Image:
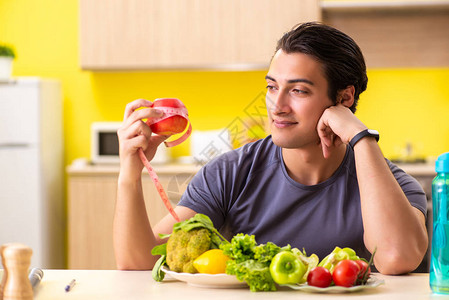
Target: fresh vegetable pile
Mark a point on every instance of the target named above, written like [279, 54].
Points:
[341, 267]
[196, 246]
[264, 265]
[187, 242]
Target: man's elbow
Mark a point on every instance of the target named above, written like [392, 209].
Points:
[130, 265]
[396, 262]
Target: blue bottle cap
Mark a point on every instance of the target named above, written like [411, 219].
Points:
[442, 163]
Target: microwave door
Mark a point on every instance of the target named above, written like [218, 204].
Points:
[105, 147]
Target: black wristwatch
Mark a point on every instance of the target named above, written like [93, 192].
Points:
[362, 134]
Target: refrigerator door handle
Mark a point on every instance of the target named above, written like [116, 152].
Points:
[14, 145]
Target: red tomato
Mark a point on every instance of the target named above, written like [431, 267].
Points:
[363, 267]
[346, 273]
[320, 277]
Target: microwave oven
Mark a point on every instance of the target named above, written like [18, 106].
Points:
[105, 146]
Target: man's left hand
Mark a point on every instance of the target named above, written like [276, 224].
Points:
[337, 125]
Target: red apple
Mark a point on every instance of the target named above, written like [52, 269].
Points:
[173, 124]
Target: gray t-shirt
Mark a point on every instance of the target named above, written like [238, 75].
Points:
[248, 190]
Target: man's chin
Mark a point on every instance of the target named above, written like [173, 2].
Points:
[294, 143]
[286, 143]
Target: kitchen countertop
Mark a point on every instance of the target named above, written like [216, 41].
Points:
[111, 284]
[80, 167]
[418, 169]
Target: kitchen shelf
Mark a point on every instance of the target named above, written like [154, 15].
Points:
[382, 5]
[394, 34]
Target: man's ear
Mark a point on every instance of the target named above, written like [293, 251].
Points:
[346, 96]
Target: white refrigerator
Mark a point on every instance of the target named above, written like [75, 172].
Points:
[32, 205]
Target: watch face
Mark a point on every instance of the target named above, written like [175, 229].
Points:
[373, 132]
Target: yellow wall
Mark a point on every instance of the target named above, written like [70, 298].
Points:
[406, 106]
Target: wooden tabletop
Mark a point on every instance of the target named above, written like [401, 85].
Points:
[111, 284]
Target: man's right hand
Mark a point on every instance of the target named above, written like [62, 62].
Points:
[134, 134]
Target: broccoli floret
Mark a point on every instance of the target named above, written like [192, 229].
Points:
[189, 239]
[183, 247]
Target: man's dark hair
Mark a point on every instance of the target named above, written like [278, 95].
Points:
[340, 56]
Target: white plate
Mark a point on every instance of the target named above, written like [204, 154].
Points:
[373, 282]
[215, 281]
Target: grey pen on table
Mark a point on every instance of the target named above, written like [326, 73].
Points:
[35, 276]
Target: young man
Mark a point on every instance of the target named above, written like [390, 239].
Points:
[319, 181]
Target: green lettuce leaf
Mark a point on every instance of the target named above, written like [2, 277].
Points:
[255, 274]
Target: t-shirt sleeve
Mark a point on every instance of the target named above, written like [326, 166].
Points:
[411, 187]
[204, 194]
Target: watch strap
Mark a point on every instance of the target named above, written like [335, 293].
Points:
[362, 134]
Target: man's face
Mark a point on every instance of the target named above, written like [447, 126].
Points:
[296, 98]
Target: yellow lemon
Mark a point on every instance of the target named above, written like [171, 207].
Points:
[211, 262]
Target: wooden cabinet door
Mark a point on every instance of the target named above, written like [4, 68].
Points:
[91, 212]
[91, 202]
[146, 34]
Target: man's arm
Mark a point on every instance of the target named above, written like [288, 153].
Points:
[390, 222]
[132, 234]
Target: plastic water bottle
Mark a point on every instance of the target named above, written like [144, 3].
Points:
[439, 262]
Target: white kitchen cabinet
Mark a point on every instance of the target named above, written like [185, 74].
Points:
[153, 34]
[31, 169]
